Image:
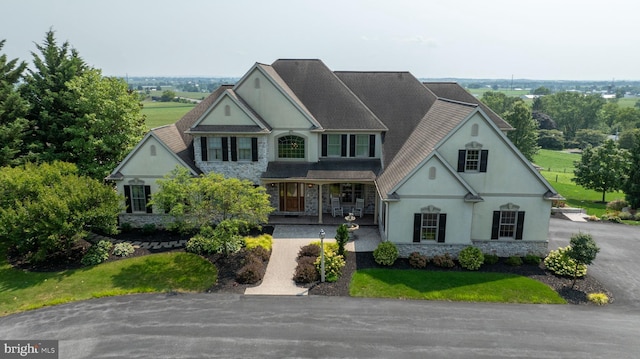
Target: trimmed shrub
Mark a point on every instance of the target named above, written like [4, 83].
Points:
[417, 260]
[513, 261]
[265, 241]
[561, 264]
[386, 253]
[491, 258]
[598, 298]
[333, 264]
[260, 253]
[149, 228]
[310, 250]
[306, 271]
[532, 259]
[123, 249]
[126, 227]
[97, 253]
[625, 216]
[471, 258]
[617, 205]
[251, 272]
[202, 243]
[443, 261]
[611, 218]
[342, 237]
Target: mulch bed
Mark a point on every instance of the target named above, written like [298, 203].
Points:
[362, 260]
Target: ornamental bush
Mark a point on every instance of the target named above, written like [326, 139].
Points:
[333, 264]
[417, 260]
[123, 249]
[491, 258]
[471, 258]
[97, 253]
[559, 263]
[617, 205]
[598, 298]
[259, 252]
[306, 271]
[386, 253]
[310, 250]
[513, 261]
[443, 261]
[532, 259]
[252, 271]
[202, 243]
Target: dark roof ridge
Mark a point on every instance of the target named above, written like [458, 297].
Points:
[375, 72]
[458, 102]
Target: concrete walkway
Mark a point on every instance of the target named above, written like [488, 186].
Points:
[287, 240]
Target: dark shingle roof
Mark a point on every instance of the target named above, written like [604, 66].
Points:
[363, 170]
[453, 91]
[397, 98]
[441, 119]
[330, 102]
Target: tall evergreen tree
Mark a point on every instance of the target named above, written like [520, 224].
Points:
[13, 108]
[77, 115]
[631, 186]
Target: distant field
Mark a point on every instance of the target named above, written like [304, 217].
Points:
[164, 113]
[558, 170]
[515, 93]
[628, 102]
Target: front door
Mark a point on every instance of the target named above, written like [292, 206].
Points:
[292, 197]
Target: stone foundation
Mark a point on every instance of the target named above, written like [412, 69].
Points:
[499, 248]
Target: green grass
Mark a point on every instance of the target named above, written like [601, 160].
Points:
[182, 272]
[558, 170]
[164, 113]
[451, 286]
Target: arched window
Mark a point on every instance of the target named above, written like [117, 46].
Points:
[227, 110]
[291, 147]
[256, 83]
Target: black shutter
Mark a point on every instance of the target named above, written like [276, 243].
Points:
[203, 148]
[483, 160]
[225, 148]
[324, 145]
[254, 149]
[127, 199]
[234, 149]
[372, 145]
[442, 227]
[343, 144]
[352, 145]
[495, 227]
[147, 198]
[520, 225]
[461, 157]
[417, 224]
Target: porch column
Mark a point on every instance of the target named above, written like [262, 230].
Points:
[320, 203]
[375, 211]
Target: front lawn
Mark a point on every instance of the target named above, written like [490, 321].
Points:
[164, 272]
[451, 286]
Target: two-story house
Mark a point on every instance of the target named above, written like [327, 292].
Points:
[429, 161]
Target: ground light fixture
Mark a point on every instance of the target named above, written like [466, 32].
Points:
[322, 234]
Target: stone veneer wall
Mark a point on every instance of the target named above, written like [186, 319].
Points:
[249, 170]
[499, 248]
[139, 220]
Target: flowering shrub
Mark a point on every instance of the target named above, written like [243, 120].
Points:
[97, 253]
[617, 205]
[385, 254]
[471, 258]
[123, 249]
[559, 263]
[333, 264]
[417, 260]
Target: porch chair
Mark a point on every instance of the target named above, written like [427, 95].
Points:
[359, 208]
[336, 209]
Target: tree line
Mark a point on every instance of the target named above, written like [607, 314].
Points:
[574, 120]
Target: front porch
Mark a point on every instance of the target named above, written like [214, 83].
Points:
[366, 220]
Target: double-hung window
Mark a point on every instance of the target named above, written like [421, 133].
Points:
[334, 145]
[429, 226]
[362, 145]
[473, 159]
[508, 223]
[215, 148]
[244, 148]
[137, 197]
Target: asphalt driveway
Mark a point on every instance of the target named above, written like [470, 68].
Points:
[617, 266]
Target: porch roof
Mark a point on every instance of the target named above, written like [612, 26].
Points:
[325, 170]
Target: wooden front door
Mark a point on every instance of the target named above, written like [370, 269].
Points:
[292, 197]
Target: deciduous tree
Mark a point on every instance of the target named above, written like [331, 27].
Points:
[602, 168]
[525, 135]
[195, 202]
[583, 251]
[631, 186]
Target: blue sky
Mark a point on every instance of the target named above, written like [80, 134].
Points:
[544, 39]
